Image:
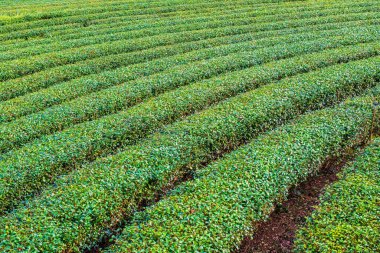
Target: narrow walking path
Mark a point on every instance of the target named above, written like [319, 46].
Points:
[278, 232]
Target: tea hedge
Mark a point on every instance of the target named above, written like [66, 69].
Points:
[25, 129]
[36, 14]
[214, 212]
[137, 29]
[34, 82]
[78, 21]
[81, 207]
[59, 93]
[51, 154]
[104, 17]
[19, 67]
[347, 219]
[97, 25]
[54, 19]
[94, 11]
[107, 105]
[125, 31]
[112, 25]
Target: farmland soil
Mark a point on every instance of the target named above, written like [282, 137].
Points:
[277, 234]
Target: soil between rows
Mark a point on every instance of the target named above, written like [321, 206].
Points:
[277, 234]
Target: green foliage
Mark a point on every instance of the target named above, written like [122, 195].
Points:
[34, 165]
[111, 100]
[124, 23]
[347, 218]
[53, 21]
[84, 204]
[216, 210]
[122, 28]
[19, 67]
[104, 105]
[201, 38]
[191, 52]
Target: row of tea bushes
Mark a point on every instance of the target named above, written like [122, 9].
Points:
[162, 58]
[19, 67]
[347, 220]
[30, 83]
[20, 131]
[120, 24]
[214, 212]
[82, 207]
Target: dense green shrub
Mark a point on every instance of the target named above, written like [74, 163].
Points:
[193, 51]
[52, 24]
[127, 31]
[51, 76]
[34, 165]
[134, 29]
[53, 15]
[81, 206]
[116, 98]
[106, 105]
[214, 212]
[119, 24]
[19, 67]
[347, 220]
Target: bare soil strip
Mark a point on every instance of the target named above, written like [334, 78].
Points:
[277, 234]
[109, 237]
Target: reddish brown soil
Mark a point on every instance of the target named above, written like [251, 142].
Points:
[277, 234]
[115, 231]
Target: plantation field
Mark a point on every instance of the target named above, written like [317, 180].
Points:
[180, 126]
[348, 217]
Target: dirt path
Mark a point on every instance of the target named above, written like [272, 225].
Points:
[277, 234]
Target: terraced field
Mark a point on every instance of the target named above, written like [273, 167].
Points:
[179, 126]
